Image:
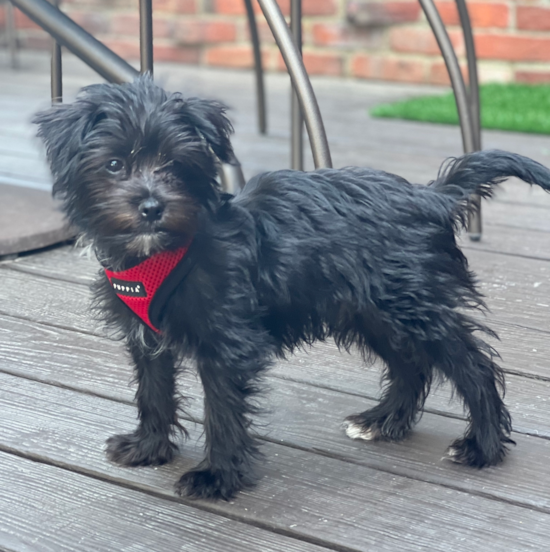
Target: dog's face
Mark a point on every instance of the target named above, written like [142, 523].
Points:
[134, 166]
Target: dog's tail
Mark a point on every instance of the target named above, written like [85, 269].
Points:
[480, 172]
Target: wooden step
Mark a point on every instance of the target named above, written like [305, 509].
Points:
[29, 220]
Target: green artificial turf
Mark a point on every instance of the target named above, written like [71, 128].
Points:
[517, 107]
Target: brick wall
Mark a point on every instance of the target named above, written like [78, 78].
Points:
[388, 40]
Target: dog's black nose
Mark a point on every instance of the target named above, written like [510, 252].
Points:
[151, 209]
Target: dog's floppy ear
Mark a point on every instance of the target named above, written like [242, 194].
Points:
[211, 123]
[62, 128]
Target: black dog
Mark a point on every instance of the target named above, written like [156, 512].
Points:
[355, 254]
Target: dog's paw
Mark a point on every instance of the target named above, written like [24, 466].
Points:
[355, 430]
[369, 426]
[468, 452]
[210, 483]
[135, 450]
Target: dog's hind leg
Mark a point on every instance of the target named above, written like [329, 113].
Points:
[408, 384]
[468, 362]
[150, 443]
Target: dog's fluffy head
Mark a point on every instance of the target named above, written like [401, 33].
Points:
[133, 165]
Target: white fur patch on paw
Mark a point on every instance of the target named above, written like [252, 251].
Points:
[452, 454]
[355, 431]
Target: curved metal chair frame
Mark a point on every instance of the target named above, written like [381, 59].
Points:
[258, 67]
[67, 33]
[300, 81]
[467, 98]
[297, 155]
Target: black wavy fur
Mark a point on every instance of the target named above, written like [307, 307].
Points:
[355, 254]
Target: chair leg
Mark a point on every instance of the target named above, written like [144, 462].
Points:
[296, 117]
[467, 101]
[232, 177]
[301, 82]
[258, 67]
[475, 227]
[11, 36]
[453, 68]
[146, 36]
[56, 82]
[473, 81]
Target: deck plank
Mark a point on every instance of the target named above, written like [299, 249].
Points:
[295, 408]
[64, 387]
[72, 512]
[531, 414]
[69, 264]
[518, 216]
[46, 300]
[311, 496]
[40, 351]
[505, 280]
[510, 241]
[28, 220]
[517, 290]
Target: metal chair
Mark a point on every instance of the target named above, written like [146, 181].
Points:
[114, 69]
[304, 101]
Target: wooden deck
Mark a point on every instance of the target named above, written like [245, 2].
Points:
[64, 386]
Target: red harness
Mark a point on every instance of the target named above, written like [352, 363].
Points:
[146, 287]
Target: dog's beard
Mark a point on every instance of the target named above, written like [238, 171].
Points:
[145, 245]
[121, 251]
[126, 245]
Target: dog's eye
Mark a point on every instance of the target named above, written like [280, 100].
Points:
[114, 165]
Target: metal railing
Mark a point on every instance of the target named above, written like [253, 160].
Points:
[78, 41]
[101, 59]
[114, 69]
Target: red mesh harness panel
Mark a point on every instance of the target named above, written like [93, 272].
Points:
[138, 287]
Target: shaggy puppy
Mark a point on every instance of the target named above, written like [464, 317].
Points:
[355, 254]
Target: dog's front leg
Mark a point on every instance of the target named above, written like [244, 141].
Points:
[150, 443]
[229, 378]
